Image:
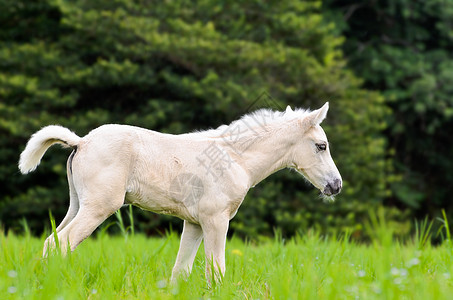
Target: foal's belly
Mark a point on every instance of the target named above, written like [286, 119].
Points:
[162, 205]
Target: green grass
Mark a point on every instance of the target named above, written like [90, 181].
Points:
[306, 267]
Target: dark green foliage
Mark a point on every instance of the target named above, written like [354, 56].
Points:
[178, 66]
[404, 49]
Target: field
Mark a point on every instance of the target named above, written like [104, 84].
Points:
[308, 266]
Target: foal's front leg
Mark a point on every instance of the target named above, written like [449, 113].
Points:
[214, 235]
[190, 241]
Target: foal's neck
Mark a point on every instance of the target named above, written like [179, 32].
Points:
[269, 153]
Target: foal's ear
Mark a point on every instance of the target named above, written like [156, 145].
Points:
[316, 117]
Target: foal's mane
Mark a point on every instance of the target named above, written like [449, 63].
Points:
[257, 121]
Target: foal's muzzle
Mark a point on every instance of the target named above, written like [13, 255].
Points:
[332, 188]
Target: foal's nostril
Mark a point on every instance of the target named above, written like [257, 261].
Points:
[333, 188]
[337, 186]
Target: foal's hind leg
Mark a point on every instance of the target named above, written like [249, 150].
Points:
[70, 215]
[90, 215]
[100, 195]
[87, 220]
[73, 204]
[72, 210]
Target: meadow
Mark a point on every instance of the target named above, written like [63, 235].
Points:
[308, 266]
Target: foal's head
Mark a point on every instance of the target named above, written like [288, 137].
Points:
[311, 155]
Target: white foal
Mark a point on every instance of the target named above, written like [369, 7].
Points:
[200, 177]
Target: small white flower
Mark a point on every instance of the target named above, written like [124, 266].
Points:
[12, 289]
[447, 275]
[361, 273]
[376, 288]
[395, 271]
[161, 284]
[12, 273]
[413, 262]
[352, 289]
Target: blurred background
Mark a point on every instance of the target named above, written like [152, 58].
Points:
[174, 66]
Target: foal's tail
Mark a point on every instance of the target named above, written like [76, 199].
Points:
[41, 141]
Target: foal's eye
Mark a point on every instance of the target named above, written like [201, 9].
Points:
[321, 147]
